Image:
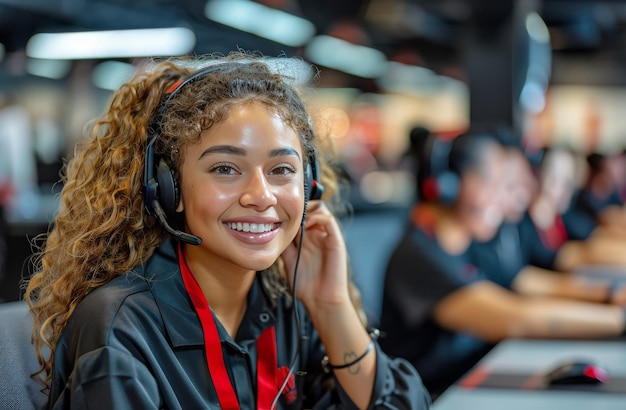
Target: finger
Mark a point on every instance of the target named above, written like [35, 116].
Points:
[325, 223]
[315, 205]
[319, 216]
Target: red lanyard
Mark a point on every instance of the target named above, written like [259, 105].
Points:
[267, 365]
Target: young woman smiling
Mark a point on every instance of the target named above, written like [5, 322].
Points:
[189, 221]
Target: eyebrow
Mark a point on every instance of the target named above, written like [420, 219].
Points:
[284, 152]
[223, 149]
[232, 150]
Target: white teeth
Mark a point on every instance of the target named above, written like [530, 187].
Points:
[247, 227]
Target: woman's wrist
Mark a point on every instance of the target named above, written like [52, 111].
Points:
[341, 330]
[328, 367]
[328, 307]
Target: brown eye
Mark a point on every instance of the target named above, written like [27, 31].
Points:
[223, 169]
[282, 170]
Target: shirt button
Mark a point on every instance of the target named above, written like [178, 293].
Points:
[264, 317]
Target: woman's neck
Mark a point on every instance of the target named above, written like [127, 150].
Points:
[224, 287]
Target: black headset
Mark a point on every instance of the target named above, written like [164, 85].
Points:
[438, 183]
[162, 193]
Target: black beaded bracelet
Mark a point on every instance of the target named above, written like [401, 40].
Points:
[326, 361]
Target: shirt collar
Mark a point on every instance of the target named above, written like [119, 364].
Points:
[179, 316]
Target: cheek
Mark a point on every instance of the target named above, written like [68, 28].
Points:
[221, 194]
[292, 198]
[206, 197]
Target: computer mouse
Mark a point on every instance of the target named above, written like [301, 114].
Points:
[576, 372]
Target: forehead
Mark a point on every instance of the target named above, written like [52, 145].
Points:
[252, 125]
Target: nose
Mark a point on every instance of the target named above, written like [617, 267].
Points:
[257, 192]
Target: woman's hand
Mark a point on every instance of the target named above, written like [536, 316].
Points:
[322, 285]
[322, 280]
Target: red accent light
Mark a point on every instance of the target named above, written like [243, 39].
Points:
[174, 86]
[430, 189]
[596, 373]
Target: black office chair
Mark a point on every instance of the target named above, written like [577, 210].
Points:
[370, 239]
[18, 391]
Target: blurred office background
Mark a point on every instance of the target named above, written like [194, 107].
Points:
[547, 71]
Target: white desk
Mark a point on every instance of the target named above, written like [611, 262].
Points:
[529, 360]
[457, 398]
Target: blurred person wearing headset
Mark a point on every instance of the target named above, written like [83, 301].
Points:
[543, 226]
[597, 207]
[194, 262]
[441, 310]
[517, 251]
[505, 254]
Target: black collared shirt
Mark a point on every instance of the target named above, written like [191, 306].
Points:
[419, 275]
[137, 343]
[582, 216]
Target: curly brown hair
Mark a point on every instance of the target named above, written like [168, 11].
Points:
[102, 229]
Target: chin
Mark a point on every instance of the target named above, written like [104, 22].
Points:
[254, 266]
[257, 264]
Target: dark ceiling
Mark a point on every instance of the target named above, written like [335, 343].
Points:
[588, 37]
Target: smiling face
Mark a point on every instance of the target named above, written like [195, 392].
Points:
[242, 188]
[558, 180]
[519, 187]
[479, 205]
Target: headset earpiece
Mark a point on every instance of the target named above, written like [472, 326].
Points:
[313, 188]
[440, 183]
[150, 183]
[160, 184]
[168, 193]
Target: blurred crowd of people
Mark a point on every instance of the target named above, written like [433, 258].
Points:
[500, 244]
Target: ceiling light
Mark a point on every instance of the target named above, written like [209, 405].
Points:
[344, 56]
[53, 69]
[112, 44]
[110, 75]
[536, 28]
[407, 77]
[533, 97]
[266, 22]
[294, 70]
